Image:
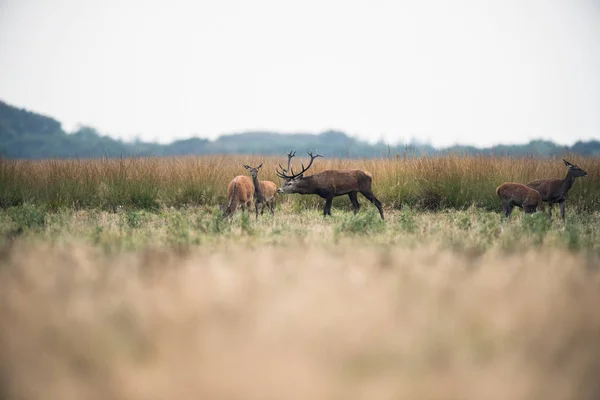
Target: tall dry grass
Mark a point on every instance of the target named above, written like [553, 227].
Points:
[149, 183]
[286, 323]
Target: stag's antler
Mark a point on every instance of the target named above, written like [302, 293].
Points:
[290, 155]
[292, 176]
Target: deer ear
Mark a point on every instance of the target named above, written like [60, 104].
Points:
[259, 166]
[245, 166]
[568, 164]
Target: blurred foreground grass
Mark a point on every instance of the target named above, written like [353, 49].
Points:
[177, 303]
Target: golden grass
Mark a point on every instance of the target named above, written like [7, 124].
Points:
[431, 183]
[282, 322]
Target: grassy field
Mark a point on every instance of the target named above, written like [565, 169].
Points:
[105, 295]
[151, 183]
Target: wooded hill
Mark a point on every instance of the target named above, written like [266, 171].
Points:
[28, 135]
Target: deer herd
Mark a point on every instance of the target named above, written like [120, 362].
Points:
[533, 195]
[244, 191]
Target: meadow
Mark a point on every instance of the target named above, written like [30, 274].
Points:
[119, 279]
[435, 183]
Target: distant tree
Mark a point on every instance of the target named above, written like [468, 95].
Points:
[24, 134]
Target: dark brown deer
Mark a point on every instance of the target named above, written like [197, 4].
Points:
[264, 191]
[329, 184]
[516, 194]
[556, 190]
[239, 191]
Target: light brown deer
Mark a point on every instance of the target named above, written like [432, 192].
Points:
[329, 184]
[239, 191]
[264, 191]
[516, 194]
[556, 190]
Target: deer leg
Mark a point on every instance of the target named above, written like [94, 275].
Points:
[562, 209]
[272, 207]
[262, 208]
[354, 201]
[256, 208]
[327, 209]
[371, 197]
[550, 209]
[507, 207]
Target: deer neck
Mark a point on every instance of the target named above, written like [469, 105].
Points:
[568, 182]
[257, 190]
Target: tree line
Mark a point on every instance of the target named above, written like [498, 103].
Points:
[28, 135]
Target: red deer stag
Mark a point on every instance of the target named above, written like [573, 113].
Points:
[329, 184]
[240, 191]
[264, 191]
[516, 194]
[556, 190]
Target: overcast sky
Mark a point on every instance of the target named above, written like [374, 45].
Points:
[472, 72]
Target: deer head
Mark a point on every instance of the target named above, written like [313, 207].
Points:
[291, 179]
[574, 170]
[253, 171]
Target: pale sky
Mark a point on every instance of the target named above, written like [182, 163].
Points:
[470, 72]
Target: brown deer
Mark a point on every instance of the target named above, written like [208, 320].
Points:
[329, 184]
[556, 190]
[264, 191]
[239, 191]
[516, 194]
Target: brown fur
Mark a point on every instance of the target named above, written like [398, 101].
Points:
[269, 190]
[556, 190]
[516, 194]
[264, 191]
[331, 183]
[240, 191]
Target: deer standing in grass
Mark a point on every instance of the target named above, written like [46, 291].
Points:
[556, 190]
[264, 191]
[239, 191]
[519, 195]
[329, 184]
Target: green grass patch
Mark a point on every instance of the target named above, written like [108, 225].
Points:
[28, 216]
[365, 222]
